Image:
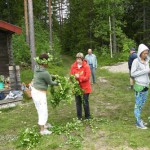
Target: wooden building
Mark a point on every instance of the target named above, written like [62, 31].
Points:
[7, 66]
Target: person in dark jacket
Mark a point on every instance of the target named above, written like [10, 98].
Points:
[132, 56]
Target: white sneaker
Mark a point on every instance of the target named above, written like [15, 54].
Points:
[140, 125]
[48, 125]
[145, 123]
[45, 132]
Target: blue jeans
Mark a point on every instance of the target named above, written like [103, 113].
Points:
[140, 99]
[93, 73]
[85, 102]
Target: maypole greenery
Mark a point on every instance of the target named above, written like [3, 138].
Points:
[67, 87]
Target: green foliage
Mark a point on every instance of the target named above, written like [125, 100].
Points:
[29, 138]
[127, 44]
[62, 92]
[9, 11]
[20, 48]
[102, 28]
[75, 86]
[2, 79]
[138, 20]
[41, 37]
[77, 34]
[65, 90]
[73, 131]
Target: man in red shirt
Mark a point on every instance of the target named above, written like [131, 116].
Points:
[81, 70]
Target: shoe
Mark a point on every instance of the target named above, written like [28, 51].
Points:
[144, 123]
[48, 125]
[141, 125]
[87, 118]
[45, 132]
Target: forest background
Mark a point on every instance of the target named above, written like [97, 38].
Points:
[81, 24]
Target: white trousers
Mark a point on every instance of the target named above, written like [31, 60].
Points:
[40, 101]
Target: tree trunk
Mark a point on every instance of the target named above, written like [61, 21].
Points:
[50, 23]
[114, 34]
[110, 37]
[32, 39]
[144, 21]
[26, 20]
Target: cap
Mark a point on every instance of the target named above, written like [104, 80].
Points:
[132, 49]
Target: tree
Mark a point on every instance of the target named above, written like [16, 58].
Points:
[26, 20]
[106, 13]
[32, 38]
[77, 31]
[138, 20]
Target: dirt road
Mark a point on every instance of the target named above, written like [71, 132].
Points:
[119, 67]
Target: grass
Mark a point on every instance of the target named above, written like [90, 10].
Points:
[113, 126]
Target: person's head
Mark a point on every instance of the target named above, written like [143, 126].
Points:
[89, 51]
[144, 54]
[132, 50]
[143, 51]
[44, 57]
[79, 58]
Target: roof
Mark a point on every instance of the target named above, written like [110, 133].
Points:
[10, 27]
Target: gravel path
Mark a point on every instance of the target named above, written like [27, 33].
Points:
[119, 67]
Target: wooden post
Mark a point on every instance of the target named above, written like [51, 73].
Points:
[26, 20]
[14, 74]
[10, 51]
[50, 23]
[32, 39]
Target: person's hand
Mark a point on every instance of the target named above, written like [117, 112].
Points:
[77, 75]
[54, 77]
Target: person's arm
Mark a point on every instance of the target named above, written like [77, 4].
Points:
[48, 79]
[129, 63]
[135, 72]
[71, 71]
[87, 75]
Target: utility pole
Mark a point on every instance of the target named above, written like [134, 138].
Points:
[32, 39]
[26, 20]
[50, 22]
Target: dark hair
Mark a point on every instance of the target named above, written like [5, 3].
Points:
[44, 56]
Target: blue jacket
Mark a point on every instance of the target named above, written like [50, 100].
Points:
[94, 60]
[130, 60]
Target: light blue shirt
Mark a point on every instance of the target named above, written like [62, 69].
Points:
[91, 59]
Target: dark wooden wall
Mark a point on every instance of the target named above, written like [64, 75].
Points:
[4, 55]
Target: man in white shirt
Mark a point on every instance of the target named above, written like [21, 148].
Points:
[92, 61]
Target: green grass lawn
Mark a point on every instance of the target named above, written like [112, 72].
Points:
[112, 126]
